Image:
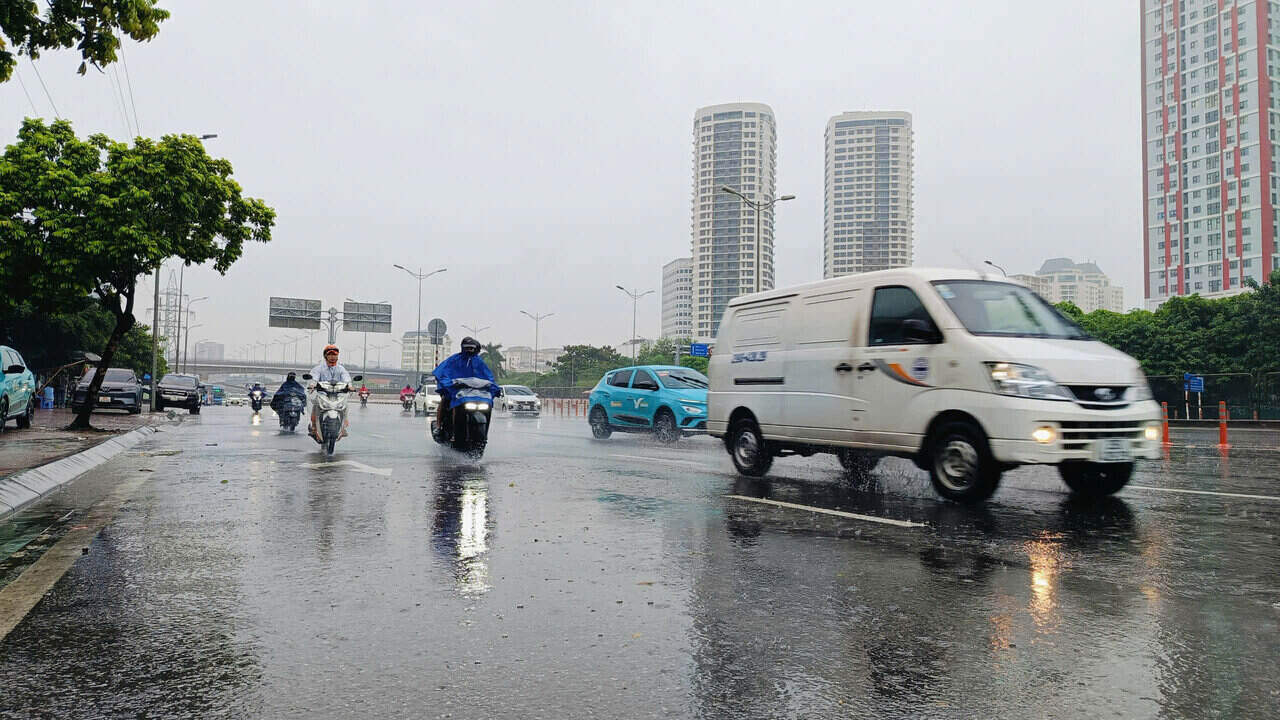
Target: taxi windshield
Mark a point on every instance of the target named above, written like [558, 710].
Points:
[683, 379]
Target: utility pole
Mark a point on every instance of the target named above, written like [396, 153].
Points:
[537, 328]
[758, 206]
[417, 340]
[635, 296]
[155, 337]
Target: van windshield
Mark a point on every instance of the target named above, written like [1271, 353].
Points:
[1005, 309]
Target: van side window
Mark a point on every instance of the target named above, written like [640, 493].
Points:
[622, 378]
[890, 307]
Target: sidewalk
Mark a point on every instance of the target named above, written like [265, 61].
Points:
[46, 441]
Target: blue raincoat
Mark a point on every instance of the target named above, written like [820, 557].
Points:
[462, 367]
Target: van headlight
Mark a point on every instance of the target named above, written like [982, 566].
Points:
[1025, 381]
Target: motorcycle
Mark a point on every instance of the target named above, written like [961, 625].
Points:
[255, 400]
[468, 430]
[364, 398]
[330, 401]
[406, 402]
[289, 407]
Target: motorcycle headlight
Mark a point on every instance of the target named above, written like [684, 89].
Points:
[692, 409]
[1025, 381]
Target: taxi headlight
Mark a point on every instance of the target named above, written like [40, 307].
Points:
[692, 409]
[1025, 381]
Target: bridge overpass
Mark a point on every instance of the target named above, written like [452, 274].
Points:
[276, 372]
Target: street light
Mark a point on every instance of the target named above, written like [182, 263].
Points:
[187, 342]
[196, 361]
[380, 348]
[417, 340]
[635, 296]
[996, 267]
[475, 332]
[758, 206]
[364, 355]
[537, 329]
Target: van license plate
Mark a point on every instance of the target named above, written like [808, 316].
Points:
[1115, 450]
[104, 398]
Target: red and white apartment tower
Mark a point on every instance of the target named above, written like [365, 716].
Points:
[1209, 123]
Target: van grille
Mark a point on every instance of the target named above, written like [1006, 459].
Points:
[1101, 397]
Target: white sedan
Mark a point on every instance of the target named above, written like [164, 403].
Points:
[519, 400]
[426, 402]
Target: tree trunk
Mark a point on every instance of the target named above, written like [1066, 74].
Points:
[124, 321]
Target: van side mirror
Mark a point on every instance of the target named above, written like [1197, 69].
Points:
[357, 378]
[915, 330]
[14, 369]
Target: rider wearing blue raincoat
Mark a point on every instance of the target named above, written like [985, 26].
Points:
[465, 365]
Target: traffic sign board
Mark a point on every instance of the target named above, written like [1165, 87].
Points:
[436, 330]
[366, 317]
[1193, 383]
[295, 313]
[698, 350]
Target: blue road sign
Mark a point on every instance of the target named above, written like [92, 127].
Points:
[698, 350]
[1193, 383]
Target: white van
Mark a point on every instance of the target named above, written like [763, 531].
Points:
[966, 374]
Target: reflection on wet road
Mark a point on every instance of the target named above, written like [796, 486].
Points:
[566, 577]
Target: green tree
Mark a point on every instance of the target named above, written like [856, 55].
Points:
[93, 27]
[48, 341]
[492, 356]
[90, 216]
[582, 366]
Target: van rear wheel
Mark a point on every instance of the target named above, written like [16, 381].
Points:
[747, 448]
[960, 464]
[1095, 480]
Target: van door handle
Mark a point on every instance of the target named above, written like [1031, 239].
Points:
[844, 367]
[866, 367]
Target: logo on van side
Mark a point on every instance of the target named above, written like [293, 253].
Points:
[920, 369]
[757, 356]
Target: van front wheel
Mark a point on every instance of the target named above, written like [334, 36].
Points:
[747, 448]
[960, 464]
[1095, 479]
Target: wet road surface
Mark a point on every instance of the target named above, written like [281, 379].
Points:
[565, 577]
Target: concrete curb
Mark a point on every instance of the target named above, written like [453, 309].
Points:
[23, 487]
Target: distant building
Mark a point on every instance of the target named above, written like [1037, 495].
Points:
[868, 221]
[519, 358]
[734, 145]
[1062, 280]
[210, 352]
[1209, 87]
[677, 298]
[429, 356]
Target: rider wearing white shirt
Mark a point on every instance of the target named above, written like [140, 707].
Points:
[328, 371]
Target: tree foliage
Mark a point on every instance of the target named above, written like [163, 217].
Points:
[492, 356]
[663, 351]
[48, 341]
[1237, 334]
[93, 27]
[82, 217]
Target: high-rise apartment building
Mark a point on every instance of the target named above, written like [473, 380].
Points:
[428, 355]
[1208, 130]
[734, 146]
[677, 298]
[1063, 280]
[869, 221]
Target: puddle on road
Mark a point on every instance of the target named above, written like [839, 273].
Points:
[26, 535]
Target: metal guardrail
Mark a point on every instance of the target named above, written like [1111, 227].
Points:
[1247, 396]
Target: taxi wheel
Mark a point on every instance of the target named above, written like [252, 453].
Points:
[961, 467]
[4, 414]
[24, 420]
[664, 428]
[1095, 479]
[748, 450]
[600, 429]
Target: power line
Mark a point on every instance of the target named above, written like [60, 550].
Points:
[125, 62]
[118, 101]
[40, 77]
[24, 91]
[117, 86]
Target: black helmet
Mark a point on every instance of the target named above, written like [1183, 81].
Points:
[470, 346]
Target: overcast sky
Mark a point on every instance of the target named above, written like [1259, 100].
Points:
[542, 151]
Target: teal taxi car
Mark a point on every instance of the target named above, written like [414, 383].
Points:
[666, 400]
[17, 389]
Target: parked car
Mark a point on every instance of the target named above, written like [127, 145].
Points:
[120, 391]
[520, 400]
[964, 374]
[426, 402]
[17, 389]
[237, 400]
[178, 390]
[668, 401]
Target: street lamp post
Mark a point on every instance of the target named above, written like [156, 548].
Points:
[635, 296]
[537, 330]
[417, 339]
[475, 332]
[380, 348]
[759, 207]
[187, 342]
[195, 364]
[155, 337]
[1002, 272]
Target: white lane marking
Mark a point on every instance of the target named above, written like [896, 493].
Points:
[358, 467]
[659, 458]
[826, 511]
[1205, 492]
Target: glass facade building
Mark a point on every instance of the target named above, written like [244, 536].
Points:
[734, 145]
[868, 220]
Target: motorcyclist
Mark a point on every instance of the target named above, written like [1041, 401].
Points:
[459, 366]
[328, 371]
[406, 392]
[257, 387]
[290, 386]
